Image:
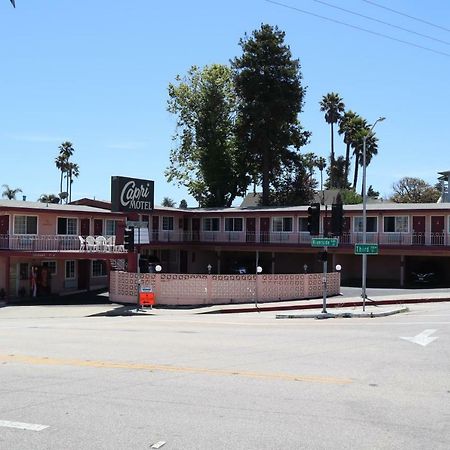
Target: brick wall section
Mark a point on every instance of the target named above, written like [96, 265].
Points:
[181, 289]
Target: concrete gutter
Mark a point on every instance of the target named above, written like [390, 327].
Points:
[342, 315]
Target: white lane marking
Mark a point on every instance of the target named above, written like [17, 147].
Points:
[158, 444]
[422, 339]
[22, 425]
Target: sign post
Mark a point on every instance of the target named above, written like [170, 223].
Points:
[324, 242]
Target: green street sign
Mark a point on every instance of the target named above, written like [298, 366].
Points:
[366, 249]
[324, 242]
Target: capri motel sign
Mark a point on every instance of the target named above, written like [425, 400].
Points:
[132, 195]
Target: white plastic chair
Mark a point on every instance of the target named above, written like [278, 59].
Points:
[100, 243]
[110, 243]
[90, 243]
[82, 243]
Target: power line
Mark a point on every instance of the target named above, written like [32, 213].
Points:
[373, 19]
[406, 15]
[375, 33]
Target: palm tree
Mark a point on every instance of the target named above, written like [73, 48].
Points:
[73, 170]
[13, 2]
[347, 126]
[358, 144]
[321, 163]
[10, 193]
[333, 106]
[48, 198]
[168, 202]
[62, 163]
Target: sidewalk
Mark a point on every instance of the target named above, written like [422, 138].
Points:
[337, 307]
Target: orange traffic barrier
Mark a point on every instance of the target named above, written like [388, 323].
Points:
[146, 296]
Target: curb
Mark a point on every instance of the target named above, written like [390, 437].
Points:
[341, 315]
[329, 305]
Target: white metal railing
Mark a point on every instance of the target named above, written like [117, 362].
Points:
[47, 243]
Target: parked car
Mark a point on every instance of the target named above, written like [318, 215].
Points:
[424, 278]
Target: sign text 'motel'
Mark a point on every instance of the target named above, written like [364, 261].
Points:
[132, 195]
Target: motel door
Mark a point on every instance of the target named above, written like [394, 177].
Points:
[155, 228]
[98, 227]
[250, 228]
[4, 231]
[418, 230]
[264, 229]
[437, 230]
[195, 229]
[84, 227]
[84, 266]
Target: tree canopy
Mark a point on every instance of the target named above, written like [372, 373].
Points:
[270, 97]
[414, 190]
[206, 159]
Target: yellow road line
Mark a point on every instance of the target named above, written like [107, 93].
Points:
[47, 361]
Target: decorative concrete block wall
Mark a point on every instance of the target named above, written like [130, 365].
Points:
[181, 289]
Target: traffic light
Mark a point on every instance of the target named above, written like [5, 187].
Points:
[322, 256]
[128, 239]
[314, 219]
[337, 219]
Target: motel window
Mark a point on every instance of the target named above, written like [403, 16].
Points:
[303, 225]
[25, 224]
[396, 224]
[51, 266]
[211, 224]
[234, 224]
[283, 224]
[371, 225]
[67, 225]
[70, 270]
[167, 223]
[99, 268]
[110, 227]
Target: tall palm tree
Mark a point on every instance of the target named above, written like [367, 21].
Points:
[73, 170]
[333, 106]
[358, 147]
[348, 125]
[10, 193]
[62, 162]
[321, 163]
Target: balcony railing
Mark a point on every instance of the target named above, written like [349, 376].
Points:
[299, 238]
[46, 243]
[52, 243]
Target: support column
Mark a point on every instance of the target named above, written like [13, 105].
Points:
[273, 263]
[402, 270]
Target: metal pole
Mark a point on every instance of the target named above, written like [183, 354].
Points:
[364, 256]
[324, 281]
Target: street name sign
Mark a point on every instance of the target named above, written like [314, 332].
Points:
[324, 242]
[366, 249]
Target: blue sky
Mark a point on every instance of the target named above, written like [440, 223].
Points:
[96, 72]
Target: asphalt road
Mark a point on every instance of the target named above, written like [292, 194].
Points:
[176, 380]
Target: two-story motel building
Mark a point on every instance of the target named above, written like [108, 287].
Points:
[48, 243]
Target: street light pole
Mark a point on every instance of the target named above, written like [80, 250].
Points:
[364, 256]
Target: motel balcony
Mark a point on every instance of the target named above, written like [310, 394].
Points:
[56, 243]
[302, 238]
